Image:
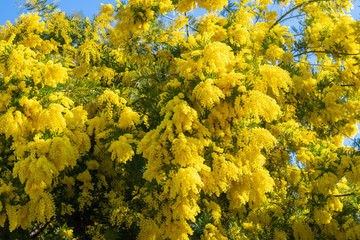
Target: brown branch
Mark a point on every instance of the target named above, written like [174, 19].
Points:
[327, 52]
[78, 90]
[315, 64]
[299, 15]
[293, 9]
[344, 195]
[40, 228]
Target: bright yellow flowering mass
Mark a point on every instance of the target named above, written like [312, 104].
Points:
[147, 122]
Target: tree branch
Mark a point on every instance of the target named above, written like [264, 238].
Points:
[187, 28]
[79, 90]
[315, 64]
[40, 228]
[299, 15]
[344, 195]
[187, 25]
[328, 52]
[293, 9]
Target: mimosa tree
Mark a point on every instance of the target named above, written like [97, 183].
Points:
[148, 123]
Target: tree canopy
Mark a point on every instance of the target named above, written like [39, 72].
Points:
[148, 123]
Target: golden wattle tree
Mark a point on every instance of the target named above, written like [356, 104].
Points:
[147, 123]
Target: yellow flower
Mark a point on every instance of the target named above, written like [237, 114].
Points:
[148, 229]
[211, 232]
[185, 182]
[67, 233]
[218, 58]
[121, 150]
[215, 211]
[274, 53]
[52, 118]
[128, 118]
[279, 235]
[53, 74]
[111, 97]
[273, 78]
[212, 5]
[165, 6]
[11, 212]
[207, 93]
[258, 105]
[84, 177]
[302, 231]
[14, 124]
[186, 5]
[62, 153]
[294, 175]
[322, 216]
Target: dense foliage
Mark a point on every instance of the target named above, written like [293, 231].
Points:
[148, 123]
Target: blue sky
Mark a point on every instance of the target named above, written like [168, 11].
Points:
[9, 9]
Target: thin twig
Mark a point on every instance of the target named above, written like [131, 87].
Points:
[299, 15]
[187, 28]
[328, 52]
[344, 195]
[40, 228]
[315, 64]
[293, 9]
[79, 90]
[227, 9]
[186, 24]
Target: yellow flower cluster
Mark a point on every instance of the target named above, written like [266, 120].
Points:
[228, 126]
[257, 105]
[209, 5]
[212, 26]
[207, 93]
[273, 78]
[121, 149]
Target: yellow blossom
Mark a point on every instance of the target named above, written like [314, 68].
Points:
[207, 93]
